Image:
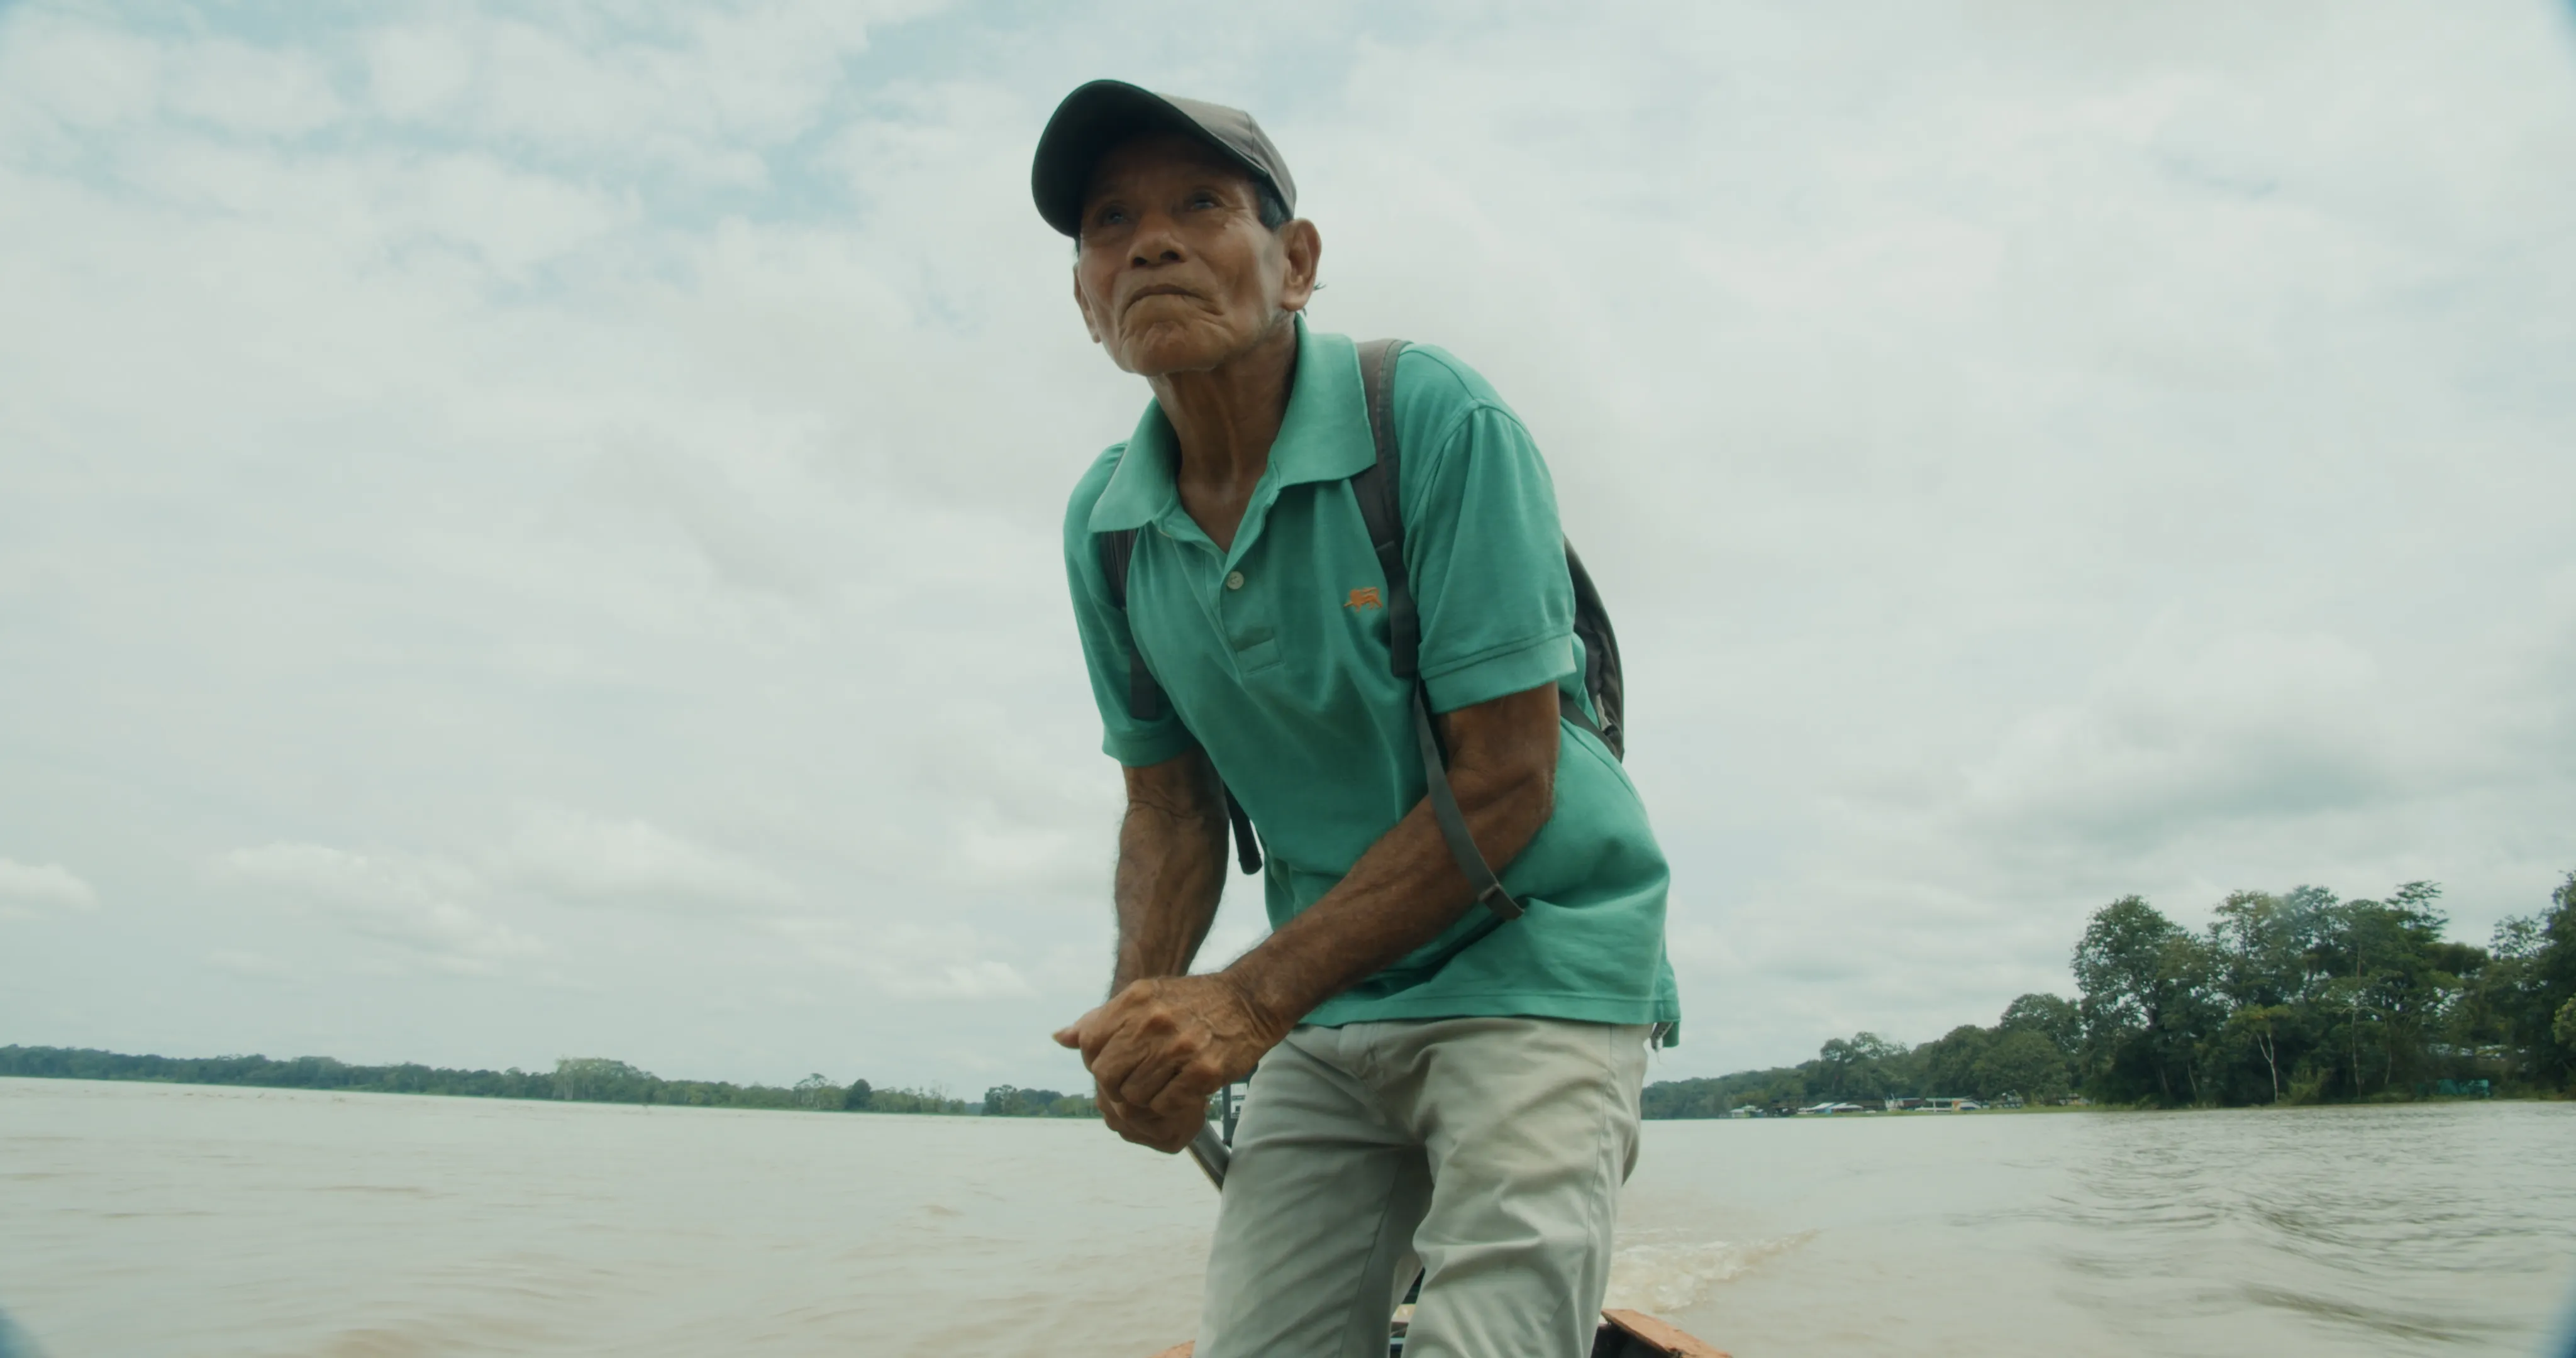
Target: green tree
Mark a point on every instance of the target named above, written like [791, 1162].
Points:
[1946, 1067]
[2494, 1010]
[2119, 973]
[2551, 987]
[2389, 983]
[2259, 953]
[817, 1092]
[597, 1079]
[932, 1100]
[1859, 1068]
[2189, 1014]
[2021, 1062]
[2147, 1004]
[592, 1079]
[1700, 1098]
[2051, 1016]
[2260, 1028]
[2116, 965]
[1007, 1101]
[2284, 998]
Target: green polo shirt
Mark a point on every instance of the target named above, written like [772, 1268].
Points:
[1274, 656]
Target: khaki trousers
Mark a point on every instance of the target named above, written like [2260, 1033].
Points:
[1491, 1149]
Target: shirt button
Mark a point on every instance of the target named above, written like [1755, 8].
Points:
[1234, 580]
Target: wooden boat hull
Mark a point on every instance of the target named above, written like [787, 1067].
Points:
[1634, 1334]
[1623, 1334]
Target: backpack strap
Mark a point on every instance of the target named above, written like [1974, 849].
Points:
[1247, 845]
[1379, 489]
[1145, 698]
[1601, 672]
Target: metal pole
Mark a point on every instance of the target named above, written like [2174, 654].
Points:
[1213, 1155]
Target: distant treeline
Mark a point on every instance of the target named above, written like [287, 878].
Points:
[2297, 998]
[587, 1079]
[2301, 997]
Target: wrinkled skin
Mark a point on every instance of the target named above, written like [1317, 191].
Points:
[1161, 1046]
[1176, 276]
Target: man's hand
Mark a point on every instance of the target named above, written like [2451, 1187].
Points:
[1161, 1046]
[1165, 1041]
[1145, 1127]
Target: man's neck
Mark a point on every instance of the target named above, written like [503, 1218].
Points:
[1224, 420]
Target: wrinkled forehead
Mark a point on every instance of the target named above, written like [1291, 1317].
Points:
[1162, 158]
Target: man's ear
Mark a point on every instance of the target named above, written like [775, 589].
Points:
[1083, 305]
[1304, 247]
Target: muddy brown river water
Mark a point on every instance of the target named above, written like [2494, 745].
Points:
[141, 1220]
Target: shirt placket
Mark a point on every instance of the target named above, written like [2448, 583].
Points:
[1244, 600]
[1227, 584]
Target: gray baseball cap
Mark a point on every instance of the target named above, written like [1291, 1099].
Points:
[1100, 115]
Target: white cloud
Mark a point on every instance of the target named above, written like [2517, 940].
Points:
[247, 90]
[416, 905]
[910, 961]
[28, 890]
[80, 73]
[698, 93]
[507, 216]
[632, 861]
[417, 72]
[242, 963]
[983, 979]
[744, 547]
[2256, 725]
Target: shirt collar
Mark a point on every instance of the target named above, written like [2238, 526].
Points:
[1323, 437]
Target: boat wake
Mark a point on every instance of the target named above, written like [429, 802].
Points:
[1665, 1278]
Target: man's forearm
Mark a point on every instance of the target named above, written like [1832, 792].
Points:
[1165, 1040]
[1171, 868]
[1407, 888]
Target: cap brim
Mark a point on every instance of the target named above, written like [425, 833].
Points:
[1091, 121]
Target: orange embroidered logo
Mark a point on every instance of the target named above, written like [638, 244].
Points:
[1366, 597]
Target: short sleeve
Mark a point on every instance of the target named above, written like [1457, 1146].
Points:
[1107, 647]
[1482, 543]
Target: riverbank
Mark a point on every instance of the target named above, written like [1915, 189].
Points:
[601, 1080]
[573, 1080]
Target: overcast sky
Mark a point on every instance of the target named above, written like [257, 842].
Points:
[532, 532]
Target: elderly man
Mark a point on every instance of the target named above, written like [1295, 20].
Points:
[1447, 1067]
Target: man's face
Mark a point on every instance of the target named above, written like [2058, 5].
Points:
[1176, 272]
